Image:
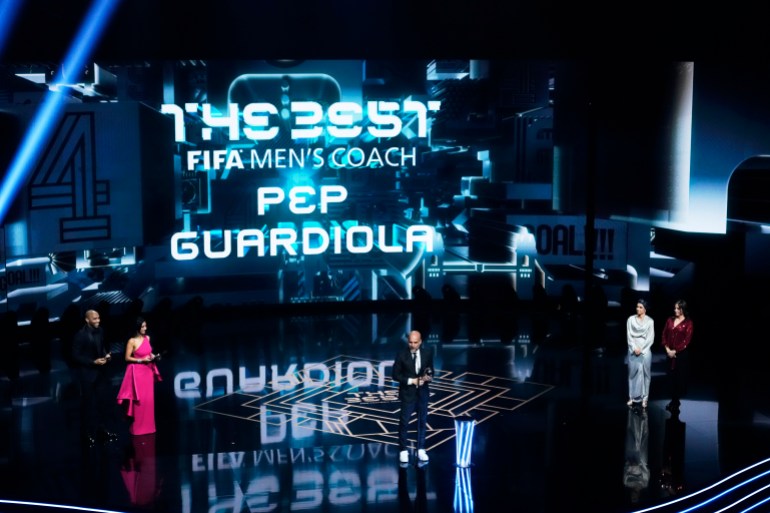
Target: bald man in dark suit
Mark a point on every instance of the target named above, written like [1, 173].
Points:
[91, 359]
[413, 369]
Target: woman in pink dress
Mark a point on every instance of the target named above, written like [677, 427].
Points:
[137, 391]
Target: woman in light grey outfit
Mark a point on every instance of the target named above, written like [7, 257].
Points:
[640, 334]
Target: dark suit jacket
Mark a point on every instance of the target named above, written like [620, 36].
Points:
[87, 346]
[403, 369]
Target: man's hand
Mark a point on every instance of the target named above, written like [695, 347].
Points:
[423, 379]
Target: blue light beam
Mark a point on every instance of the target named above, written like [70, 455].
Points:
[42, 125]
[8, 11]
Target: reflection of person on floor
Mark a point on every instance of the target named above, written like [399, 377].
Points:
[137, 391]
[636, 472]
[676, 337]
[640, 334]
[672, 474]
[139, 471]
[405, 503]
[94, 476]
[91, 359]
[413, 369]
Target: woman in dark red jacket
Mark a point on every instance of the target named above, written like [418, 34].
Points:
[677, 334]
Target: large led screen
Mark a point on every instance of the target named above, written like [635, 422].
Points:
[320, 181]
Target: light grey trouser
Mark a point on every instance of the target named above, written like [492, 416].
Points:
[639, 376]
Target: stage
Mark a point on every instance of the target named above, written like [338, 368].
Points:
[298, 413]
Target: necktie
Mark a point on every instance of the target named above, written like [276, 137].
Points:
[416, 358]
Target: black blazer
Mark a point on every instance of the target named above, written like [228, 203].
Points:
[403, 370]
[87, 346]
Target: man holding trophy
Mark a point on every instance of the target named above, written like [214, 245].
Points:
[413, 369]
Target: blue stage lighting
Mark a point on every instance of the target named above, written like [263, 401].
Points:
[8, 11]
[46, 117]
[463, 501]
[464, 427]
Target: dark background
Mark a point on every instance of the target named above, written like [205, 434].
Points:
[432, 29]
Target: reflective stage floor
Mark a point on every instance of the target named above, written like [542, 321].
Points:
[280, 413]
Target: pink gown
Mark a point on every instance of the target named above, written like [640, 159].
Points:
[138, 391]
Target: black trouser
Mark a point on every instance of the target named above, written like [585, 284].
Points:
[95, 406]
[407, 409]
[678, 369]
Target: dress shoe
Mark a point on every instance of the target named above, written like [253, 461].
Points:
[403, 457]
[422, 455]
